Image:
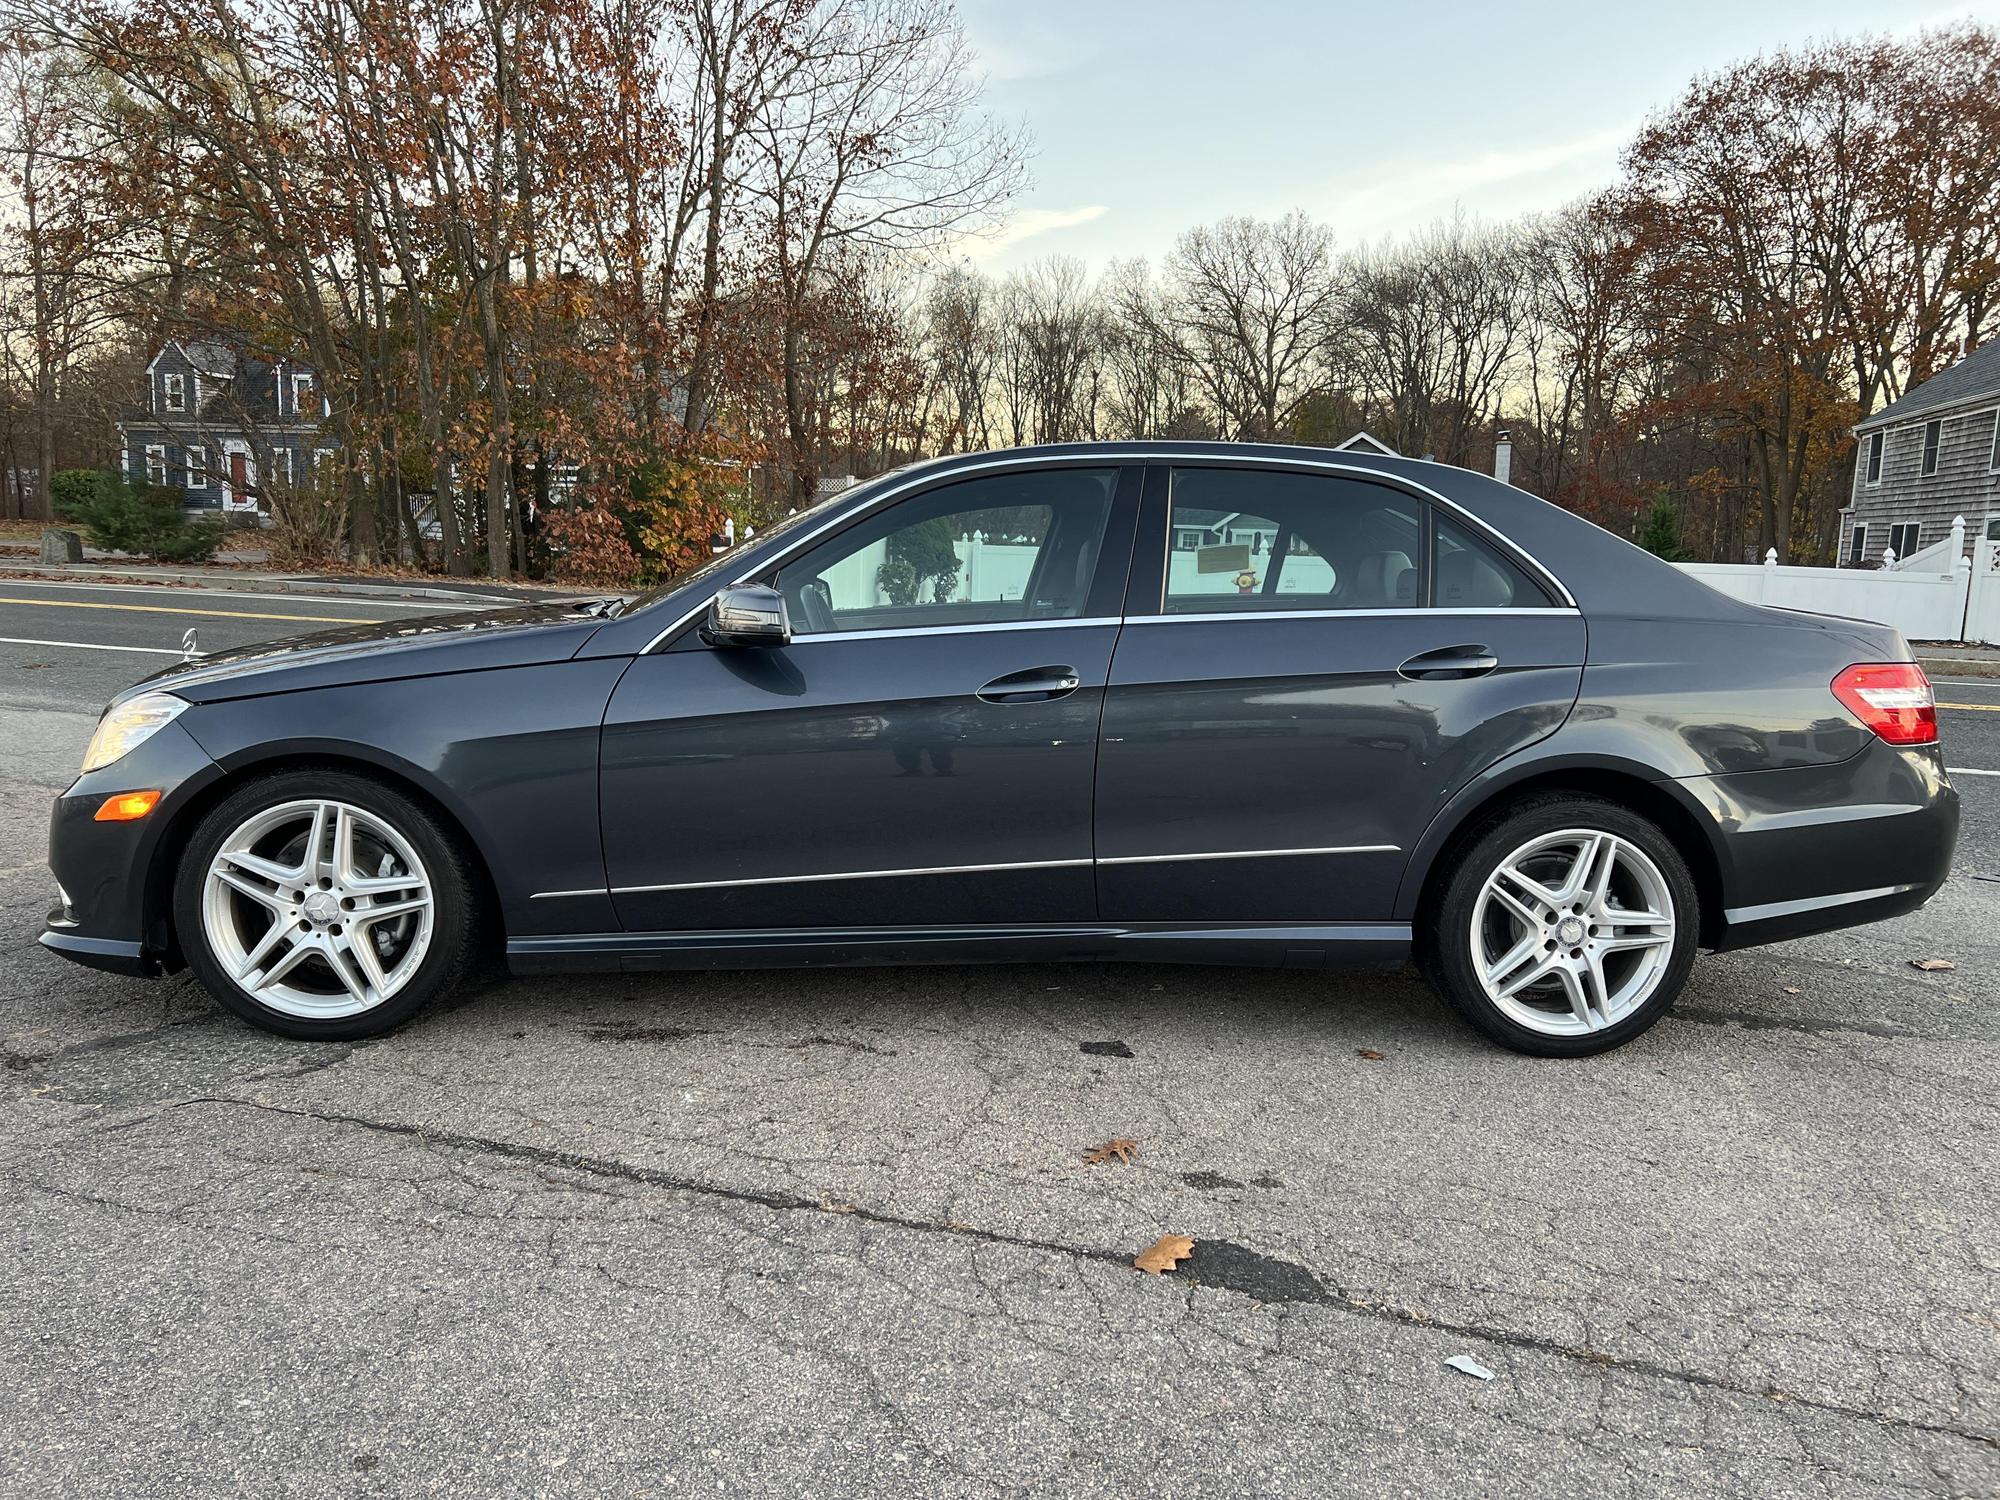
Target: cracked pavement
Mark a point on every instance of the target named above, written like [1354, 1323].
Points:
[831, 1233]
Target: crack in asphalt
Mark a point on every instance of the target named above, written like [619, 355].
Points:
[1229, 1267]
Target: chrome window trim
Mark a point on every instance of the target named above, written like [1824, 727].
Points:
[1341, 614]
[888, 633]
[1130, 460]
[1027, 864]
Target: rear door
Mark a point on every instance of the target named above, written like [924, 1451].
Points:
[1318, 663]
[920, 754]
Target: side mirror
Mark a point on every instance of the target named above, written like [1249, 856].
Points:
[747, 614]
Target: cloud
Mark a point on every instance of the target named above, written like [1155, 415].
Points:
[1025, 226]
[1398, 196]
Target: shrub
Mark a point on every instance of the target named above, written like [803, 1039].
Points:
[70, 490]
[587, 545]
[1662, 533]
[146, 519]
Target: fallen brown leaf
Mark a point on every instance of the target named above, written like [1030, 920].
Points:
[1166, 1252]
[1933, 965]
[1793, 989]
[1368, 1052]
[1121, 1147]
[829, 1206]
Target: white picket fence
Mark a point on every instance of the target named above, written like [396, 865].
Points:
[1939, 594]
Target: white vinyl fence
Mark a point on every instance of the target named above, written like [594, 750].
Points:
[1938, 595]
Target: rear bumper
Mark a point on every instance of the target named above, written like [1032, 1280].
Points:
[1816, 848]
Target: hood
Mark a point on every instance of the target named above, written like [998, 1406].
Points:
[476, 640]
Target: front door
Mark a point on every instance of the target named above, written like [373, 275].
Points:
[921, 753]
[1328, 660]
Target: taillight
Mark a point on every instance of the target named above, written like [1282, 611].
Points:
[1892, 698]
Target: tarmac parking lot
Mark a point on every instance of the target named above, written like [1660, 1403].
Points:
[834, 1233]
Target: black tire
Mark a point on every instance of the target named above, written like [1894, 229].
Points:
[453, 945]
[1445, 939]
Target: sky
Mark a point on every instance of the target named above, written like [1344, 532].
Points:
[1150, 116]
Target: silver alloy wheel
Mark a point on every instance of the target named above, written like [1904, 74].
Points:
[318, 909]
[1573, 932]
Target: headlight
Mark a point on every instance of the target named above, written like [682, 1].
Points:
[128, 726]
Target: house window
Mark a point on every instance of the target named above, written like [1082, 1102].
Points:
[1857, 543]
[1903, 539]
[156, 463]
[1932, 431]
[1874, 458]
[283, 458]
[197, 468]
[173, 392]
[302, 394]
[1993, 459]
[322, 456]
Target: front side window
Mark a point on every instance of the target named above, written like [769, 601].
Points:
[173, 392]
[1933, 431]
[1012, 547]
[156, 463]
[1857, 542]
[1267, 540]
[197, 468]
[1874, 458]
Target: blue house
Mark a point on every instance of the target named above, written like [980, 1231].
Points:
[225, 428]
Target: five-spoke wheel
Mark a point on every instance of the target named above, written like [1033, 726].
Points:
[324, 904]
[1565, 926]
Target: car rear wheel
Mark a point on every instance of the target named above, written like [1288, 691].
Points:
[1566, 927]
[325, 906]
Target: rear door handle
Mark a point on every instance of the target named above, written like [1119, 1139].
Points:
[1032, 685]
[1448, 663]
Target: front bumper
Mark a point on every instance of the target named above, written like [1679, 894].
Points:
[1815, 848]
[116, 878]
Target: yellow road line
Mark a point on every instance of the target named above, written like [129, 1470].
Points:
[170, 609]
[1973, 708]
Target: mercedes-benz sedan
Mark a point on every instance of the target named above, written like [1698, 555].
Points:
[1191, 702]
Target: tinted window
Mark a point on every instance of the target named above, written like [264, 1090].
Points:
[1010, 547]
[1471, 575]
[1248, 539]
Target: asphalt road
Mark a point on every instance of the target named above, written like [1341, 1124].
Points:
[831, 1233]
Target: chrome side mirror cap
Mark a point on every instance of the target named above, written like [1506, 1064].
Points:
[747, 614]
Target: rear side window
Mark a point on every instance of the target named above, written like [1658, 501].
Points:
[1250, 540]
[1472, 575]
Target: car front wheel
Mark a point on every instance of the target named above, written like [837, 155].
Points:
[324, 906]
[1566, 927]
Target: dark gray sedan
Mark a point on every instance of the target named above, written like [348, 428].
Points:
[1192, 702]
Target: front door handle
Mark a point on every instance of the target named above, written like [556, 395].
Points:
[1032, 685]
[1449, 663]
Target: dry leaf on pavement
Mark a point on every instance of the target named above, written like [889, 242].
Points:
[1166, 1252]
[1932, 965]
[1368, 1052]
[1121, 1147]
[1793, 989]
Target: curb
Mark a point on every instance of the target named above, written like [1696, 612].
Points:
[272, 584]
[1958, 666]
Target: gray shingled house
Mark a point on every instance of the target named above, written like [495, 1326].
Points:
[222, 426]
[1925, 459]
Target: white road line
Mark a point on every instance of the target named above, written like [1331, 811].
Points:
[1967, 771]
[294, 598]
[15, 640]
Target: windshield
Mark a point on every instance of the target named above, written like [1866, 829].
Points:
[721, 562]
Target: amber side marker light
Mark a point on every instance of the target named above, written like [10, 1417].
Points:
[127, 807]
